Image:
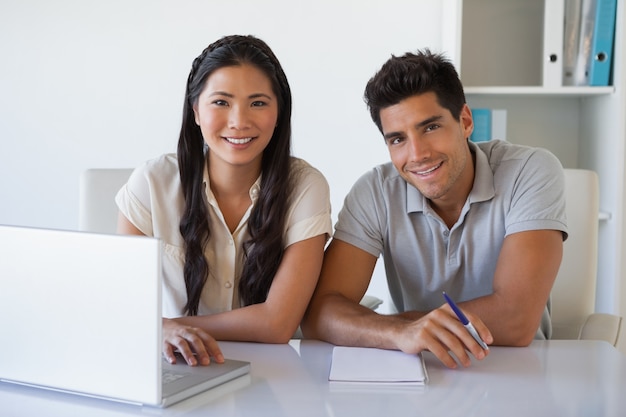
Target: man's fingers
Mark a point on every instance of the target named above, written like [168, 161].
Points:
[447, 346]
[441, 333]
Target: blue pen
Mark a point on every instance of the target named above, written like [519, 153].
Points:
[470, 328]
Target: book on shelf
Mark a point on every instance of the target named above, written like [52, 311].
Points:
[589, 32]
[488, 124]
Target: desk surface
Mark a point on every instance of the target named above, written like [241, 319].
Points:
[549, 378]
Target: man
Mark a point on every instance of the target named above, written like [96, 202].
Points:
[483, 222]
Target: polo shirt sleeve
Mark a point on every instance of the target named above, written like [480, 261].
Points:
[360, 220]
[538, 198]
[309, 211]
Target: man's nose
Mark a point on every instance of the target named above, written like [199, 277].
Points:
[418, 148]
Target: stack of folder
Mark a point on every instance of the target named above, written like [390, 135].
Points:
[578, 42]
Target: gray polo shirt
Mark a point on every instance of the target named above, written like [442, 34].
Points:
[516, 188]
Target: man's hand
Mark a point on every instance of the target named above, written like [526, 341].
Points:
[441, 333]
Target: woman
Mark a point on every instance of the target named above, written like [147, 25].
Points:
[243, 223]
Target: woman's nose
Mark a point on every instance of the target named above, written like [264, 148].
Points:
[238, 118]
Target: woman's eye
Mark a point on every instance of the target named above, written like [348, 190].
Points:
[220, 103]
[258, 103]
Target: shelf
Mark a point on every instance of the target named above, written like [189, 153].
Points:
[540, 91]
[604, 216]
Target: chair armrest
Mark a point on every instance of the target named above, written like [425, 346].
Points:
[371, 302]
[601, 326]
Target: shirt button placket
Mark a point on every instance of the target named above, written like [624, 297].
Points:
[231, 254]
[446, 239]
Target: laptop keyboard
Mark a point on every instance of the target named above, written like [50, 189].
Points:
[168, 377]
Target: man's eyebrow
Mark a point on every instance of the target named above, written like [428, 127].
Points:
[429, 120]
[423, 123]
[391, 135]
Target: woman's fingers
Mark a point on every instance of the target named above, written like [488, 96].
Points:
[194, 344]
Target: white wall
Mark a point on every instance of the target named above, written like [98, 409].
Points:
[100, 84]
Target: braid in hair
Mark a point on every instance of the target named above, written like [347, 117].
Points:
[194, 225]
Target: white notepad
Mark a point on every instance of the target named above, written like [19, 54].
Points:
[376, 366]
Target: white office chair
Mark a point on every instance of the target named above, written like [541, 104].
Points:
[574, 292]
[97, 210]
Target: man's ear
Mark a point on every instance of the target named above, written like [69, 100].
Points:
[467, 122]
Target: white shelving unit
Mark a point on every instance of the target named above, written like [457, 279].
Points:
[500, 62]
[517, 91]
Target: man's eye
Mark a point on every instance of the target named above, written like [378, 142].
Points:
[432, 127]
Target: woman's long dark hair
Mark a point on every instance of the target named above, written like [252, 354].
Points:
[264, 251]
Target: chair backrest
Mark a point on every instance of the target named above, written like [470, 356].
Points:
[97, 211]
[574, 292]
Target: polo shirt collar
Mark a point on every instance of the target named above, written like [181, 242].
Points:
[482, 190]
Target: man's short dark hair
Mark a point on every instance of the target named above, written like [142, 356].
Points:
[412, 74]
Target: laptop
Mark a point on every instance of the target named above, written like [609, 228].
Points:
[81, 313]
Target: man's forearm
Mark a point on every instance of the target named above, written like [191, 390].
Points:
[341, 321]
[412, 315]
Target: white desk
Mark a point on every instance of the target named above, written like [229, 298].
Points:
[555, 378]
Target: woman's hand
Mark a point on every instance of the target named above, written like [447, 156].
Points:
[194, 344]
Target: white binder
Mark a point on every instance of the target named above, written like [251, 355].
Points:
[553, 27]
